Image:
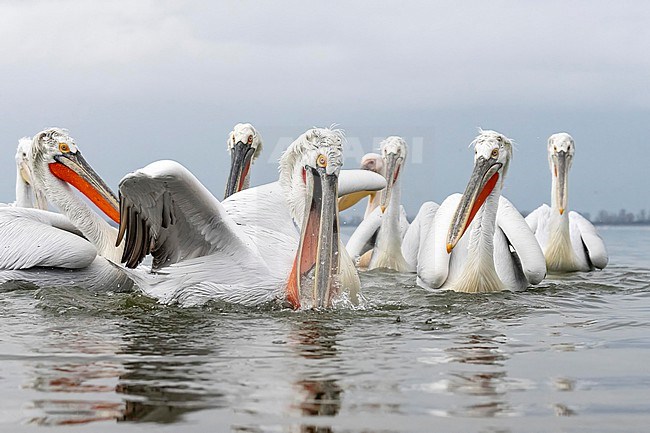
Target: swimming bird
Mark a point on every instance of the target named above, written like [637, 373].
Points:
[478, 241]
[245, 145]
[26, 195]
[385, 227]
[73, 239]
[275, 241]
[569, 241]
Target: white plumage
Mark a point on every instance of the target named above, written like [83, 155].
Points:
[240, 250]
[569, 241]
[26, 195]
[380, 233]
[478, 241]
[31, 237]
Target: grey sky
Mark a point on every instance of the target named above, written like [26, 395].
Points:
[137, 81]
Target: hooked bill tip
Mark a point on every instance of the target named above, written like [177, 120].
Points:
[383, 208]
[449, 248]
[561, 210]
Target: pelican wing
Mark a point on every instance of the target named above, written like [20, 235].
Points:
[433, 261]
[166, 211]
[522, 240]
[418, 229]
[538, 220]
[35, 238]
[591, 240]
[363, 238]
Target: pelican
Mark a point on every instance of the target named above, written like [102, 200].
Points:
[275, 241]
[244, 145]
[498, 251]
[26, 195]
[72, 240]
[388, 223]
[569, 241]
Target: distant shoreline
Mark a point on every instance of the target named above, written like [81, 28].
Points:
[645, 224]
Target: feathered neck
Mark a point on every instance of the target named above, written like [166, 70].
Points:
[479, 273]
[89, 223]
[559, 253]
[388, 251]
[24, 194]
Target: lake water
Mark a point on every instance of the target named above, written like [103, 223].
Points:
[571, 355]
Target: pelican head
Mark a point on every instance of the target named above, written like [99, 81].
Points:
[30, 196]
[372, 162]
[393, 152]
[244, 145]
[492, 153]
[56, 158]
[22, 160]
[560, 157]
[309, 171]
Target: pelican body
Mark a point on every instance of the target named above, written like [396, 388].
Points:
[245, 145]
[35, 238]
[478, 242]
[569, 241]
[276, 241]
[386, 224]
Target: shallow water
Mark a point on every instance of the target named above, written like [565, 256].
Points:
[570, 355]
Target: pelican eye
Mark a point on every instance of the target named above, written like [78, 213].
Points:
[64, 148]
[250, 139]
[495, 153]
[321, 161]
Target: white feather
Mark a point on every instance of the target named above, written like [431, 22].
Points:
[240, 250]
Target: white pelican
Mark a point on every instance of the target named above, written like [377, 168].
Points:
[384, 227]
[26, 195]
[499, 251]
[275, 241]
[244, 145]
[569, 241]
[31, 237]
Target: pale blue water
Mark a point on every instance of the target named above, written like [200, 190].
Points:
[571, 355]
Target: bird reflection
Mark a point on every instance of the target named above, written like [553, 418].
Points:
[479, 349]
[317, 394]
[62, 381]
[126, 373]
[320, 398]
[487, 381]
[170, 377]
[314, 339]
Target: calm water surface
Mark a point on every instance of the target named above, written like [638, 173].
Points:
[571, 355]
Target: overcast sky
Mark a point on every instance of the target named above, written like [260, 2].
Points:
[137, 81]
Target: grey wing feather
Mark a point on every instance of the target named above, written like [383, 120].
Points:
[165, 211]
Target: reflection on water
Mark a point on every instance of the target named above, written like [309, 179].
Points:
[316, 396]
[79, 390]
[170, 375]
[483, 377]
[567, 354]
